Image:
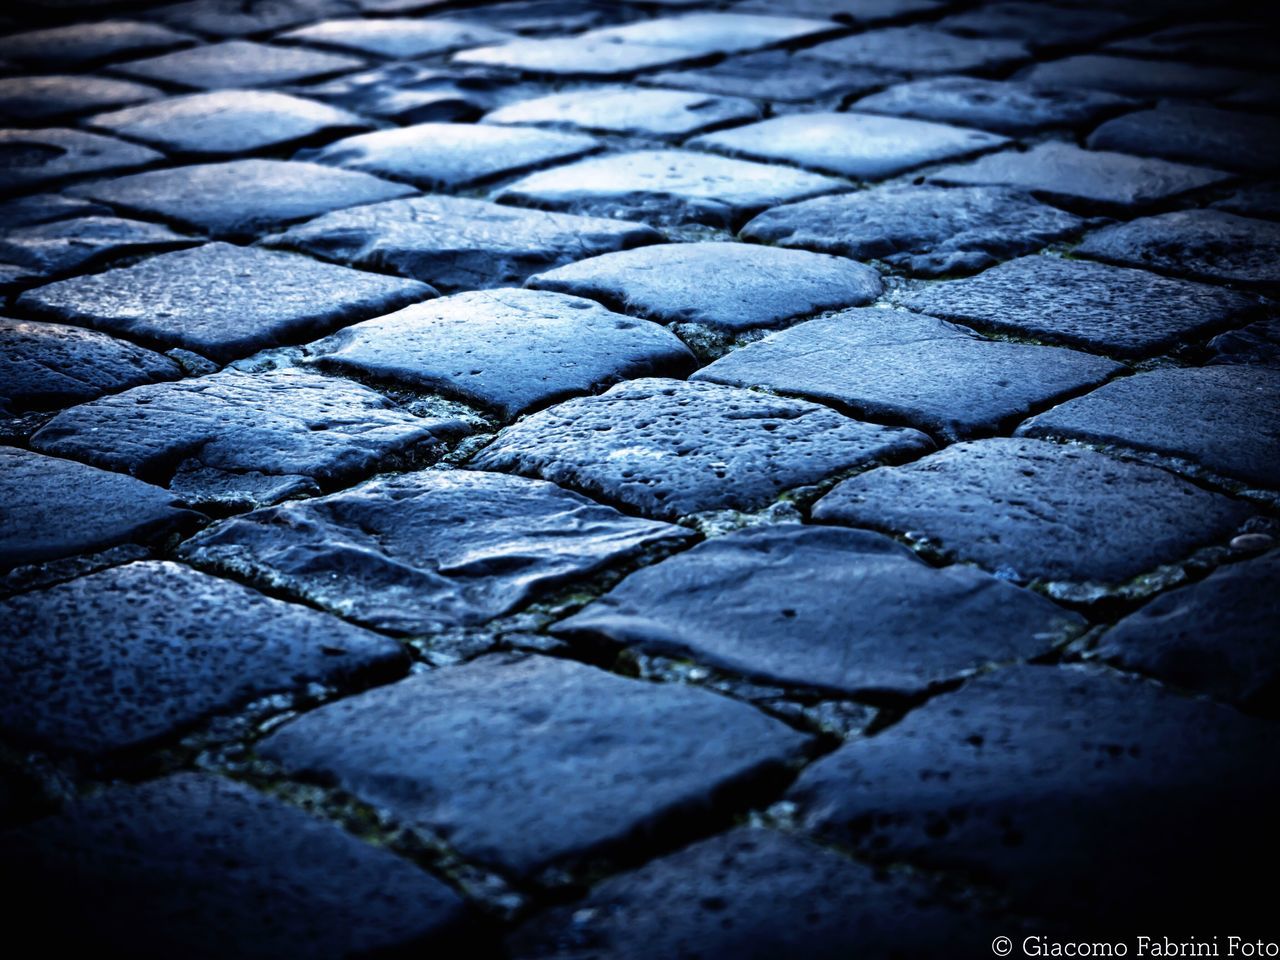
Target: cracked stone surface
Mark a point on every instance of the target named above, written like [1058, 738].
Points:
[36, 99]
[240, 439]
[242, 199]
[1131, 763]
[1035, 511]
[930, 231]
[856, 145]
[39, 158]
[141, 652]
[469, 763]
[59, 247]
[507, 350]
[667, 186]
[627, 110]
[53, 508]
[669, 448]
[1258, 343]
[460, 243]
[821, 607]
[429, 550]
[395, 37]
[1222, 418]
[724, 286]
[219, 869]
[1116, 310]
[889, 366]
[238, 63]
[921, 50]
[1201, 135]
[222, 301]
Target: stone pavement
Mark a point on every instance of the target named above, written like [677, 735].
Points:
[637, 478]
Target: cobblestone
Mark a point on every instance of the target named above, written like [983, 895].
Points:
[921, 50]
[1146, 79]
[237, 63]
[1199, 135]
[41, 158]
[775, 75]
[30, 99]
[649, 113]
[396, 38]
[59, 247]
[83, 44]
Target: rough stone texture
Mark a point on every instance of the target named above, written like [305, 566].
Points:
[1083, 179]
[583, 55]
[242, 199]
[523, 764]
[48, 365]
[238, 64]
[507, 350]
[429, 550]
[774, 75]
[1205, 244]
[1194, 134]
[1215, 637]
[238, 439]
[233, 18]
[407, 93]
[1223, 418]
[459, 243]
[710, 33]
[1258, 343]
[890, 366]
[51, 508]
[45, 208]
[859, 12]
[840, 610]
[669, 186]
[222, 301]
[1115, 310]
[668, 448]
[921, 50]
[1146, 79]
[1039, 25]
[1035, 511]
[136, 654]
[1232, 42]
[547, 16]
[452, 154]
[628, 110]
[227, 122]
[1255, 200]
[204, 867]
[930, 231]
[30, 159]
[724, 286]
[1063, 787]
[83, 44]
[742, 895]
[849, 144]
[396, 37]
[41, 99]
[1005, 106]
[64, 245]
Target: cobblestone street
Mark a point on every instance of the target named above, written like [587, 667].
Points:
[638, 478]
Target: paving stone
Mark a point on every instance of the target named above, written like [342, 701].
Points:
[1033, 511]
[547, 16]
[431, 550]
[1039, 25]
[236, 64]
[396, 37]
[227, 122]
[667, 186]
[48, 365]
[54, 508]
[507, 350]
[1116, 310]
[1214, 637]
[583, 55]
[921, 50]
[527, 763]
[1147, 79]
[460, 243]
[126, 658]
[234, 18]
[1204, 244]
[741, 895]
[1222, 418]
[64, 245]
[82, 44]
[205, 867]
[1088, 180]
[45, 208]
[1230, 42]
[1195, 134]
[774, 75]
[859, 12]
[850, 144]
[236, 439]
[840, 610]
[242, 199]
[31, 99]
[669, 448]
[1258, 343]
[709, 33]
[628, 110]
[31, 159]
[407, 93]
[929, 230]
[1062, 786]
[1254, 200]
[893, 367]
[452, 154]
[725, 286]
[1005, 106]
[222, 301]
